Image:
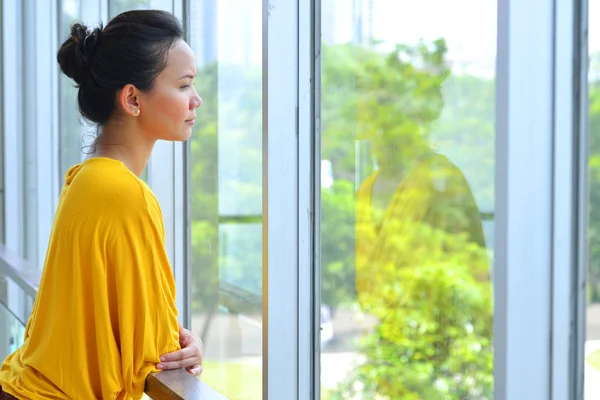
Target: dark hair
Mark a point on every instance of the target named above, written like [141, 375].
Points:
[132, 49]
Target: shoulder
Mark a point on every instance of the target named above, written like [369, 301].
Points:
[108, 187]
[447, 178]
[365, 187]
[437, 161]
[439, 166]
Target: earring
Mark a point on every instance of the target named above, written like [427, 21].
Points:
[137, 111]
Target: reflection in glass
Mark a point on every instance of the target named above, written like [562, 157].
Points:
[407, 136]
[226, 194]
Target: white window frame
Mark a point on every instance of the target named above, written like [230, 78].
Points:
[579, 115]
[570, 200]
[12, 82]
[523, 241]
[2, 134]
[309, 199]
[280, 199]
[13, 116]
[541, 199]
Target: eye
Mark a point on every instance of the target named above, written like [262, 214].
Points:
[185, 87]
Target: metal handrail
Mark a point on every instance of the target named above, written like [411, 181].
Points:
[165, 385]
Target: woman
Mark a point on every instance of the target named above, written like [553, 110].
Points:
[105, 314]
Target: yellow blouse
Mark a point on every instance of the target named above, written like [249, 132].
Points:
[105, 311]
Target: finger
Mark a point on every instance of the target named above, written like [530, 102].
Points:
[164, 366]
[176, 364]
[195, 370]
[176, 361]
[182, 354]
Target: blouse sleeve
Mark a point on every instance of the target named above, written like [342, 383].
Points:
[143, 310]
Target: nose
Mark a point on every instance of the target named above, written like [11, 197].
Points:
[196, 101]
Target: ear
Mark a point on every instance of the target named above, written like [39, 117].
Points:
[128, 100]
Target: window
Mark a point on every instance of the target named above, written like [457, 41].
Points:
[407, 199]
[225, 167]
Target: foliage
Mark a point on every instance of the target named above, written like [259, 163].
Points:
[434, 336]
[337, 244]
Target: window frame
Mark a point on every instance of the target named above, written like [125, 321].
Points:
[281, 249]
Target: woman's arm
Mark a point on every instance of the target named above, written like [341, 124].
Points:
[143, 310]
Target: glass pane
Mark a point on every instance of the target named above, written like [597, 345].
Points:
[15, 299]
[407, 199]
[592, 345]
[226, 194]
[71, 128]
[12, 331]
[116, 7]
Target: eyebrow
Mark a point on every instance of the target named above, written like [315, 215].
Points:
[188, 76]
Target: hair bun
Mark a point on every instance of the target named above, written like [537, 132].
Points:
[134, 48]
[77, 52]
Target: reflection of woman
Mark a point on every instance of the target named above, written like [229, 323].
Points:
[421, 262]
[414, 188]
[105, 314]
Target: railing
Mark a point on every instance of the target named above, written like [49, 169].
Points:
[165, 385]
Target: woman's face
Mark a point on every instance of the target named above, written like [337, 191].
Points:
[168, 111]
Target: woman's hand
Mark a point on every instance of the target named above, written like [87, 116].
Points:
[189, 357]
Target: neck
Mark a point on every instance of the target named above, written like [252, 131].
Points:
[399, 165]
[126, 144]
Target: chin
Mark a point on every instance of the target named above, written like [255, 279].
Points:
[186, 134]
[182, 136]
